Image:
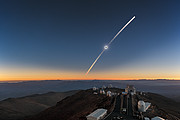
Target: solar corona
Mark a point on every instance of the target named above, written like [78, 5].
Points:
[107, 46]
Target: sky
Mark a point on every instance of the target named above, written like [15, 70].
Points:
[47, 40]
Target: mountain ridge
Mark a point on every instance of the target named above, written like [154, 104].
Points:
[15, 108]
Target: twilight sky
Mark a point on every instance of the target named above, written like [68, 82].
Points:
[53, 39]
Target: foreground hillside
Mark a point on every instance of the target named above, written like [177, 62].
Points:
[79, 105]
[162, 106]
[76, 107]
[16, 108]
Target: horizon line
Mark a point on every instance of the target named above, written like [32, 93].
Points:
[83, 79]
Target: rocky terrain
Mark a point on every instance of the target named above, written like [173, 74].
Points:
[84, 102]
[79, 105]
[76, 107]
[161, 106]
[17, 108]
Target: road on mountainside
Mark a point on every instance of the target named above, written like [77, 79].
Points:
[130, 111]
[117, 112]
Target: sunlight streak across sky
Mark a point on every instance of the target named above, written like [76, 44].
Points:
[106, 47]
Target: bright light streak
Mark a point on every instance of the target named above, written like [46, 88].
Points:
[95, 61]
[106, 46]
[121, 30]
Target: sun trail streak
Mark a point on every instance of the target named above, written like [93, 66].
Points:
[109, 44]
[95, 61]
[121, 30]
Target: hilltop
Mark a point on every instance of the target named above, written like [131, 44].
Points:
[16, 108]
[79, 105]
[76, 107]
[161, 106]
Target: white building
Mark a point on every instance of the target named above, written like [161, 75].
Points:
[94, 88]
[102, 92]
[146, 118]
[143, 106]
[157, 118]
[97, 114]
[130, 89]
[109, 93]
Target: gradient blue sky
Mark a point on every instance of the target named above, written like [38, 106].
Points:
[62, 38]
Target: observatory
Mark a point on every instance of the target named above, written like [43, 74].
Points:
[130, 89]
[146, 118]
[157, 118]
[143, 106]
[94, 88]
[109, 93]
[97, 114]
[102, 91]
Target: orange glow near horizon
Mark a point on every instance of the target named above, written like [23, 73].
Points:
[25, 73]
[10, 80]
[59, 75]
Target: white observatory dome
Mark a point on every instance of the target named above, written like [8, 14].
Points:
[94, 88]
[141, 106]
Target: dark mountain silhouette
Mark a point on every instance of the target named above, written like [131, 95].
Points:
[16, 108]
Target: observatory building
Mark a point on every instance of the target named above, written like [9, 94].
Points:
[97, 114]
[102, 91]
[154, 118]
[146, 118]
[130, 89]
[109, 93]
[94, 88]
[157, 118]
[143, 106]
